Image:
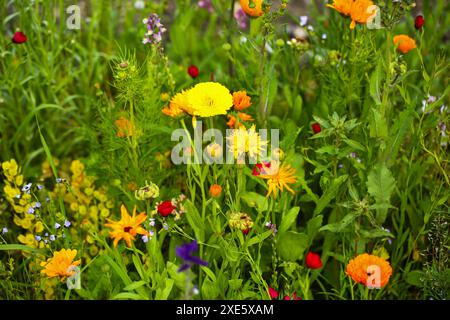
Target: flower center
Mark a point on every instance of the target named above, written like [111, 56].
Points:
[127, 229]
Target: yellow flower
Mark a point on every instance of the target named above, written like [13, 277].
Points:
[127, 227]
[358, 10]
[404, 43]
[240, 221]
[61, 264]
[178, 105]
[358, 267]
[244, 141]
[278, 177]
[209, 99]
[11, 169]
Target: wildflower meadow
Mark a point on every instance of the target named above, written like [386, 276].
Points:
[224, 150]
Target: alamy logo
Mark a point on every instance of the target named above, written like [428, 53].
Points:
[374, 277]
[73, 22]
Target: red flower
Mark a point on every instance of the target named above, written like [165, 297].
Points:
[420, 21]
[294, 297]
[313, 261]
[259, 167]
[193, 71]
[165, 208]
[273, 293]
[316, 127]
[246, 231]
[19, 37]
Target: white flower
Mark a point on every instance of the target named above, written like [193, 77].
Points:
[139, 4]
[303, 20]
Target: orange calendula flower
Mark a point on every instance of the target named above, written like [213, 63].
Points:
[232, 121]
[404, 43]
[126, 128]
[245, 117]
[278, 177]
[241, 100]
[369, 270]
[215, 190]
[61, 264]
[358, 10]
[254, 8]
[127, 227]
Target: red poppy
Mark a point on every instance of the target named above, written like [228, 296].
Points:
[165, 208]
[313, 261]
[193, 71]
[19, 37]
[273, 293]
[316, 127]
[259, 167]
[420, 21]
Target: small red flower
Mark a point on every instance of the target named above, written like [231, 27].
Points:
[19, 37]
[313, 261]
[420, 21]
[193, 71]
[294, 297]
[273, 293]
[259, 167]
[245, 231]
[165, 208]
[316, 127]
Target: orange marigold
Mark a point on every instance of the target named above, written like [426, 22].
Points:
[125, 127]
[357, 10]
[215, 190]
[61, 264]
[241, 100]
[127, 227]
[404, 43]
[255, 9]
[362, 267]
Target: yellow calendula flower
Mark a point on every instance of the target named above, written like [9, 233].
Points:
[278, 177]
[61, 264]
[358, 10]
[209, 99]
[127, 227]
[178, 105]
[243, 141]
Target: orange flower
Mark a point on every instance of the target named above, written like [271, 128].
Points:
[357, 10]
[404, 43]
[61, 264]
[127, 227]
[255, 9]
[245, 117]
[126, 128]
[278, 177]
[215, 190]
[241, 100]
[232, 122]
[361, 267]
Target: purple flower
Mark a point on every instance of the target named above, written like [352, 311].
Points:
[37, 205]
[38, 238]
[241, 18]
[39, 187]
[58, 180]
[206, 4]
[4, 230]
[145, 238]
[303, 20]
[155, 29]
[27, 187]
[30, 210]
[185, 252]
[152, 222]
[47, 199]
[57, 225]
[52, 238]
[67, 223]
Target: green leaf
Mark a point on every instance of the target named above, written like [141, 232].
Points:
[12, 247]
[313, 226]
[415, 278]
[378, 125]
[259, 238]
[134, 285]
[127, 296]
[380, 185]
[254, 199]
[375, 83]
[209, 290]
[163, 294]
[288, 219]
[194, 219]
[339, 226]
[291, 245]
[139, 268]
[354, 144]
[329, 194]
[210, 274]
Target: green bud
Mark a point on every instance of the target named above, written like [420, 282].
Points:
[279, 42]
[117, 182]
[226, 46]
[149, 191]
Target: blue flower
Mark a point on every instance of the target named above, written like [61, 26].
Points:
[185, 252]
[145, 238]
[57, 225]
[58, 180]
[30, 210]
[39, 186]
[38, 238]
[67, 223]
[37, 205]
[4, 230]
[52, 238]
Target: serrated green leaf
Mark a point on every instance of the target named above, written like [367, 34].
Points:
[291, 245]
[329, 194]
[380, 185]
